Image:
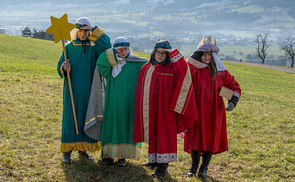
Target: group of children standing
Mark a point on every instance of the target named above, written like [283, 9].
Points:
[144, 101]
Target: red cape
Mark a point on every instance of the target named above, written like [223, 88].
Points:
[210, 133]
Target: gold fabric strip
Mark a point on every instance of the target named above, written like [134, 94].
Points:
[98, 116]
[183, 92]
[62, 71]
[146, 103]
[110, 57]
[167, 74]
[80, 146]
[117, 151]
[96, 34]
[79, 44]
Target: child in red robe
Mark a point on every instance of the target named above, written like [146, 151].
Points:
[209, 135]
[164, 105]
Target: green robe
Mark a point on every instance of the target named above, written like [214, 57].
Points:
[118, 119]
[83, 63]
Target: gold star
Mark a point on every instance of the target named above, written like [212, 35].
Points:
[60, 28]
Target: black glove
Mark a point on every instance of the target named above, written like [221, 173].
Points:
[197, 55]
[232, 103]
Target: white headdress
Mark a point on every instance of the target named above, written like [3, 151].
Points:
[121, 42]
[81, 21]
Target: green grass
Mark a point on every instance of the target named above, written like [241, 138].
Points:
[260, 130]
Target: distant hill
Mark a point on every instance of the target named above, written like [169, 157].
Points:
[173, 17]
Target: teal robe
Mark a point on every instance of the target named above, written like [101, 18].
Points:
[83, 63]
[118, 119]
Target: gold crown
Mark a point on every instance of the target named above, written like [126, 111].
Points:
[208, 41]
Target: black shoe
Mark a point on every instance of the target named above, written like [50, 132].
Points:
[150, 165]
[84, 155]
[121, 162]
[66, 157]
[192, 171]
[203, 171]
[195, 155]
[106, 161]
[205, 163]
[158, 174]
[161, 170]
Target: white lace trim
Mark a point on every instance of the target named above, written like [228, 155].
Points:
[177, 57]
[162, 158]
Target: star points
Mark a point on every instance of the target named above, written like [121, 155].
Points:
[60, 28]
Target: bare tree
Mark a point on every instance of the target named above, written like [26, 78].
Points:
[261, 46]
[288, 47]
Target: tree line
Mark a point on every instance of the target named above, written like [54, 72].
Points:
[38, 34]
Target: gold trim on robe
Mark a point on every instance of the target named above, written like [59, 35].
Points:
[114, 150]
[62, 71]
[80, 146]
[146, 102]
[98, 116]
[184, 92]
[110, 56]
[79, 44]
[96, 34]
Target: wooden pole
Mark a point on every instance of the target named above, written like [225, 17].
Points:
[70, 87]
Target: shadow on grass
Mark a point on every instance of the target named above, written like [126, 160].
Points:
[83, 170]
[208, 178]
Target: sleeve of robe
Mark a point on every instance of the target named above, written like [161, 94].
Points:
[183, 101]
[230, 82]
[61, 72]
[101, 40]
[105, 61]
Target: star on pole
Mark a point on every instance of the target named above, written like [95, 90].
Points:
[60, 28]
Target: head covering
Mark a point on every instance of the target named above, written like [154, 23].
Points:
[208, 47]
[83, 21]
[161, 44]
[121, 42]
[211, 46]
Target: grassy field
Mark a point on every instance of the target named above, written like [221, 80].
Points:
[260, 130]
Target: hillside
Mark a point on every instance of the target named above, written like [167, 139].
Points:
[260, 129]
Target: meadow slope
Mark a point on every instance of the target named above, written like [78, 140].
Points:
[260, 130]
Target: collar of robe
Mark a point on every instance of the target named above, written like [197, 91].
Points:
[84, 42]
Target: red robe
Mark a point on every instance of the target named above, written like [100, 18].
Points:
[210, 133]
[164, 106]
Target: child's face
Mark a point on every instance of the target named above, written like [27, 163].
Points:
[122, 52]
[206, 58]
[83, 34]
[160, 55]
